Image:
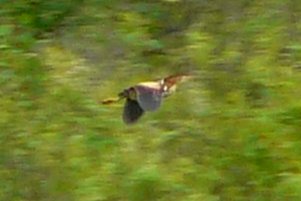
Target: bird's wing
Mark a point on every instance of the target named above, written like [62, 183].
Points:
[132, 111]
[148, 97]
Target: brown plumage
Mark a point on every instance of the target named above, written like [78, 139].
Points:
[146, 96]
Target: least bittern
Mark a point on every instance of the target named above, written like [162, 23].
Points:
[146, 96]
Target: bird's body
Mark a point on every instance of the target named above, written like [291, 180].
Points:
[146, 96]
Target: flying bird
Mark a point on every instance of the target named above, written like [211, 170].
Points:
[146, 96]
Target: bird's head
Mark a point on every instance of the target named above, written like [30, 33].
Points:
[169, 84]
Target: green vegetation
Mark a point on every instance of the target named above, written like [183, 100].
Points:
[233, 133]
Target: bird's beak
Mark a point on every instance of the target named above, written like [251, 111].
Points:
[185, 78]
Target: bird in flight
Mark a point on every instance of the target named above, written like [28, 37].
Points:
[146, 96]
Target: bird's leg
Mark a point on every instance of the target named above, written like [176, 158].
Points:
[108, 101]
[127, 93]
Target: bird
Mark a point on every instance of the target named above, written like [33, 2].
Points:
[146, 96]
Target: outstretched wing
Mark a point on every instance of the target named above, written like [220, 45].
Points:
[149, 97]
[132, 111]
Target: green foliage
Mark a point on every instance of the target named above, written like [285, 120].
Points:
[232, 133]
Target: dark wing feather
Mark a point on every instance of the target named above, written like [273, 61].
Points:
[148, 98]
[132, 111]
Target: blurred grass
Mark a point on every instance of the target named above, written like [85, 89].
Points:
[233, 133]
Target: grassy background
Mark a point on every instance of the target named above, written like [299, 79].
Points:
[233, 133]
